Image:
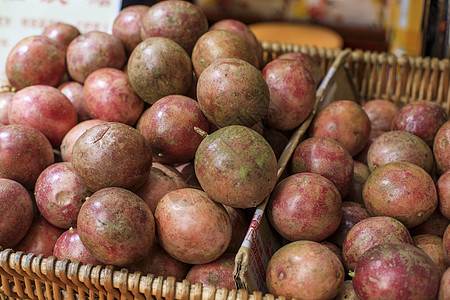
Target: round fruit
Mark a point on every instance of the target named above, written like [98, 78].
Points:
[381, 113]
[304, 270]
[441, 146]
[127, 26]
[116, 226]
[180, 21]
[16, 208]
[346, 122]
[421, 118]
[61, 32]
[108, 95]
[36, 60]
[370, 232]
[233, 92]
[45, 108]
[73, 134]
[432, 245]
[161, 180]
[94, 50]
[169, 125]
[159, 67]
[40, 238]
[59, 195]
[327, 157]
[396, 271]
[192, 227]
[292, 93]
[308, 62]
[218, 272]
[236, 166]
[305, 206]
[24, 152]
[218, 44]
[69, 246]
[401, 190]
[112, 154]
[394, 146]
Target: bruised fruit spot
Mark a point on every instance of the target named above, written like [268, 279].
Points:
[443, 142]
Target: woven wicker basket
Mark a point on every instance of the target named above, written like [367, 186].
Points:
[374, 75]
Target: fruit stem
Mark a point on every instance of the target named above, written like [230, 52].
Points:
[200, 131]
[351, 274]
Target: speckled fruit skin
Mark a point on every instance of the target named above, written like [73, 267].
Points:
[360, 174]
[127, 26]
[344, 121]
[305, 270]
[305, 206]
[236, 166]
[432, 245]
[45, 108]
[327, 157]
[24, 152]
[112, 154]
[180, 21]
[362, 155]
[40, 238]
[435, 224]
[35, 60]
[422, 118]
[396, 271]
[94, 50]
[308, 62]
[218, 272]
[351, 215]
[218, 44]
[159, 67]
[59, 194]
[446, 242]
[233, 92]
[192, 227]
[161, 180]
[347, 292]
[5, 100]
[74, 92]
[116, 226]
[73, 134]
[370, 232]
[401, 190]
[244, 31]
[292, 93]
[169, 127]
[16, 208]
[381, 113]
[441, 146]
[108, 95]
[444, 286]
[61, 32]
[397, 145]
[158, 262]
[240, 224]
[69, 246]
[443, 189]
[277, 140]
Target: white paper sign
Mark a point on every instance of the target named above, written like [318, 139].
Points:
[22, 18]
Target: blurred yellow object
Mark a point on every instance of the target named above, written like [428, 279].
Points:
[300, 34]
